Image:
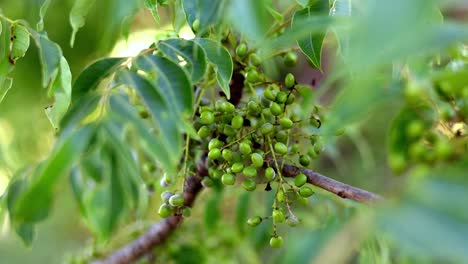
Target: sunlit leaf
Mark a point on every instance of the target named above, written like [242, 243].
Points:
[171, 80]
[19, 42]
[77, 16]
[42, 13]
[218, 56]
[50, 55]
[5, 85]
[60, 89]
[194, 56]
[152, 6]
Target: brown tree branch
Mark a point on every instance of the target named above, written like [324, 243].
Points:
[341, 189]
[160, 231]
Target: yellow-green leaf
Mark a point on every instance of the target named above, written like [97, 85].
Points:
[77, 16]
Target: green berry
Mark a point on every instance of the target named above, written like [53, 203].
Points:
[266, 128]
[276, 109]
[304, 160]
[443, 149]
[254, 108]
[289, 80]
[214, 154]
[282, 136]
[207, 182]
[300, 180]
[176, 200]
[270, 94]
[254, 221]
[314, 122]
[166, 195]
[196, 25]
[397, 162]
[278, 216]
[252, 76]
[229, 108]
[281, 148]
[254, 59]
[207, 118]
[257, 160]
[245, 148]
[290, 60]
[237, 122]
[280, 196]
[204, 132]
[227, 154]
[294, 148]
[229, 131]
[415, 128]
[241, 50]
[215, 174]
[249, 185]
[237, 167]
[214, 143]
[187, 211]
[281, 97]
[165, 211]
[270, 173]
[285, 123]
[276, 242]
[250, 171]
[305, 191]
[291, 99]
[318, 147]
[228, 179]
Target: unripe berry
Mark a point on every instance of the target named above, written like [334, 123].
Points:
[241, 50]
[304, 160]
[196, 25]
[285, 123]
[176, 200]
[250, 171]
[276, 242]
[276, 109]
[207, 118]
[257, 160]
[207, 182]
[187, 211]
[214, 154]
[294, 148]
[249, 185]
[204, 132]
[166, 195]
[229, 108]
[227, 154]
[415, 128]
[278, 216]
[245, 148]
[165, 211]
[237, 167]
[281, 136]
[252, 76]
[254, 108]
[300, 180]
[270, 174]
[290, 59]
[291, 99]
[280, 196]
[281, 97]
[266, 128]
[254, 59]
[228, 179]
[237, 122]
[281, 148]
[214, 143]
[305, 191]
[254, 221]
[215, 174]
[270, 94]
[289, 80]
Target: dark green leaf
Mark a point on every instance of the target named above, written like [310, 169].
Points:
[33, 205]
[172, 81]
[218, 56]
[79, 110]
[50, 55]
[77, 16]
[60, 89]
[90, 78]
[193, 55]
[311, 46]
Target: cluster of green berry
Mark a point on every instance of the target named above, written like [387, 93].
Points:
[173, 203]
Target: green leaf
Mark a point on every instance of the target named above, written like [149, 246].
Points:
[42, 13]
[250, 18]
[19, 42]
[5, 66]
[190, 51]
[78, 111]
[90, 77]
[220, 58]
[50, 56]
[206, 11]
[5, 85]
[152, 5]
[154, 146]
[311, 45]
[77, 16]
[61, 92]
[165, 119]
[33, 205]
[172, 81]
